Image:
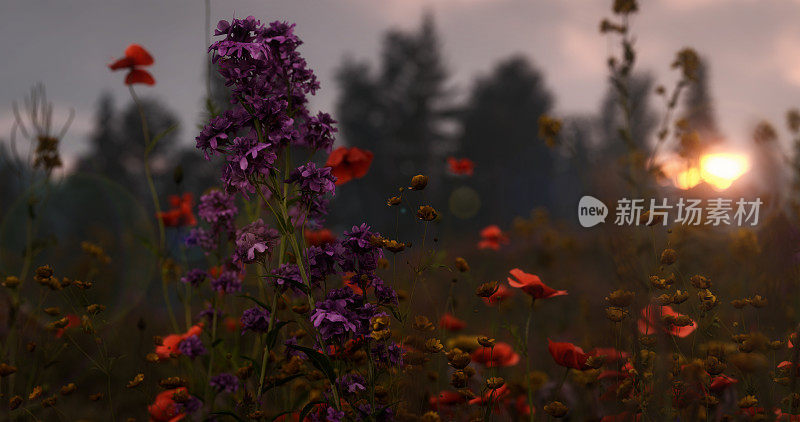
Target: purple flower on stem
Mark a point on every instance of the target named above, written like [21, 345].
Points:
[224, 382]
[254, 241]
[194, 277]
[192, 346]
[255, 319]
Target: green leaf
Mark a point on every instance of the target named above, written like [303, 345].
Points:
[272, 336]
[158, 137]
[280, 382]
[258, 302]
[320, 361]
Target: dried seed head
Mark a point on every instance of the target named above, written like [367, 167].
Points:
[748, 401]
[427, 213]
[680, 297]
[700, 282]
[459, 379]
[494, 383]
[430, 416]
[52, 311]
[740, 303]
[95, 309]
[664, 299]
[418, 182]
[6, 369]
[620, 298]
[615, 314]
[669, 256]
[138, 379]
[758, 301]
[422, 323]
[556, 409]
[11, 282]
[458, 359]
[37, 391]
[461, 264]
[68, 389]
[173, 382]
[433, 345]
[14, 402]
[394, 201]
[487, 289]
[486, 341]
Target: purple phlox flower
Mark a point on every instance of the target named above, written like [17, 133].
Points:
[219, 210]
[319, 134]
[342, 315]
[190, 406]
[255, 319]
[387, 354]
[224, 382]
[192, 346]
[351, 383]
[229, 280]
[202, 238]
[288, 275]
[254, 242]
[313, 181]
[194, 277]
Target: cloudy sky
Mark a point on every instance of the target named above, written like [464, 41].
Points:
[753, 47]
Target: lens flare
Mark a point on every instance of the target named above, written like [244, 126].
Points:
[720, 170]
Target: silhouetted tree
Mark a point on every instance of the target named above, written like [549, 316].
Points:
[698, 107]
[116, 146]
[514, 167]
[399, 113]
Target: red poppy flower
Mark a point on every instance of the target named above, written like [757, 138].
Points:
[445, 398]
[318, 237]
[180, 213]
[461, 166]
[74, 321]
[532, 285]
[500, 295]
[451, 323]
[650, 322]
[164, 408]
[785, 417]
[169, 345]
[349, 163]
[491, 396]
[492, 237]
[135, 57]
[722, 382]
[502, 354]
[522, 406]
[568, 355]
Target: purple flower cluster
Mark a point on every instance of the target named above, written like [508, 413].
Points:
[313, 182]
[342, 315]
[224, 382]
[228, 281]
[192, 346]
[269, 80]
[351, 383]
[254, 242]
[255, 319]
[194, 277]
[288, 276]
[219, 210]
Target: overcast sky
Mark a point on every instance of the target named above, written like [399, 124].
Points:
[753, 47]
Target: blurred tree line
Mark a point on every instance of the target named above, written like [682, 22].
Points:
[404, 109]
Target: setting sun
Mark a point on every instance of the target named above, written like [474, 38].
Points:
[720, 170]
